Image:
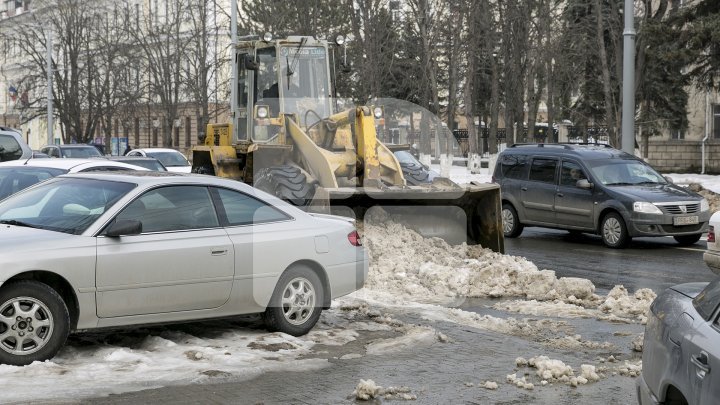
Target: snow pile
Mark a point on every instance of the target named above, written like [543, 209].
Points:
[489, 385]
[406, 267]
[367, 390]
[520, 382]
[637, 343]
[630, 368]
[552, 370]
[620, 304]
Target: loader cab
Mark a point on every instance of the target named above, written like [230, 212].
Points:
[284, 76]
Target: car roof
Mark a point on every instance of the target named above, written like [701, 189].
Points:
[66, 163]
[72, 145]
[146, 150]
[151, 177]
[585, 151]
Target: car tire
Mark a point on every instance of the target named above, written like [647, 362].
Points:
[512, 228]
[288, 183]
[45, 319]
[296, 303]
[687, 240]
[614, 231]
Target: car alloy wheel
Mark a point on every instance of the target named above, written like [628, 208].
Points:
[27, 325]
[298, 301]
[613, 231]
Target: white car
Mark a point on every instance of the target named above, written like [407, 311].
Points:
[712, 254]
[173, 160]
[16, 175]
[93, 250]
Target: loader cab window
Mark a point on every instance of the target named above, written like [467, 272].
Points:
[305, 86]
[265, 92]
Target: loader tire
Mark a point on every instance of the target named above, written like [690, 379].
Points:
[415, 175]
[288, 183]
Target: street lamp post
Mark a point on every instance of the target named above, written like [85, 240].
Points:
[49, 89]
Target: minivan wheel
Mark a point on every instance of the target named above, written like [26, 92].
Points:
[614, 232]
[512, 228]
[687, 240]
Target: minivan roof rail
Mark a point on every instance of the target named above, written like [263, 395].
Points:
[564, 145]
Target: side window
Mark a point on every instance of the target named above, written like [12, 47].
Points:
[543, 170]
[54, 152]
[570, 173]
[9, 148]
[173, 208]
[242, 209]
[515, 166]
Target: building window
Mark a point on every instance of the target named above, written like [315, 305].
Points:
[677, 134]
[716, 121]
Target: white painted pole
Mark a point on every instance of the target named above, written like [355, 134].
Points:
[234, 76]
[628, 103]
[50, 124]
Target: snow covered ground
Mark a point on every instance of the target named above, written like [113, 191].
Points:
[408, 274]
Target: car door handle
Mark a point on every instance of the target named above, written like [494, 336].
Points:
[560, 195]
[701, 362]
[218, 252]
[523, 188]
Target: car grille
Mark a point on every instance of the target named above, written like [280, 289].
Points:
[679, 209]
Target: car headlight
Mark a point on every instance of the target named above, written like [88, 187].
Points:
[262, 111]
[646, 208]
[378, 112]
[704, 205]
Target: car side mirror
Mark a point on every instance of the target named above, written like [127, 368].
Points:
[124, 227]
[669, 179]
[584, 184]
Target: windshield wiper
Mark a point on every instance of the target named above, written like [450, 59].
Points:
[620, 184]
[648, 182]
[17, 223]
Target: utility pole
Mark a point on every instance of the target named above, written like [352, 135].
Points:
[49, 89]
[234, 76]
[628, 109]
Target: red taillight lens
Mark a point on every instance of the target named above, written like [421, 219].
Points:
[354, 238]
[711, 234]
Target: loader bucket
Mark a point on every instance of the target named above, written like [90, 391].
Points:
[466, 213]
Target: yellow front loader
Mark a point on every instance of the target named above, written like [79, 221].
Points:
[286, 139]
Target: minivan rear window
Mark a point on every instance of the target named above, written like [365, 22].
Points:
[514, 166]
[708, 300]
[9, 148]
[543, 170]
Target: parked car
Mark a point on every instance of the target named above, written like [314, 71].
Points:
[596, 189]
[19, 174]
[173, 160]
[415, 172]
[74, 150]
[712, 254]
[93, 250]
[149, 163]
[39, 155]
[681, 348]
[12, 145]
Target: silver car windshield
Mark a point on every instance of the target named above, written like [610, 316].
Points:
[624, 173]
[68, 205]
[170, 159]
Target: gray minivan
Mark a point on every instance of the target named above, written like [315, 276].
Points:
[594, 188]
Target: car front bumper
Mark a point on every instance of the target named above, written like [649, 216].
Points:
[662, 225]
[712, 259]
[644, 395]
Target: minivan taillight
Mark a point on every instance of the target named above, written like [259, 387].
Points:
[354, 238]
[711, 234]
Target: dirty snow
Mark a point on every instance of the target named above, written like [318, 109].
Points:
[368, 389]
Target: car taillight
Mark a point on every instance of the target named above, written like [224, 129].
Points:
[354, 238]
[711, 234]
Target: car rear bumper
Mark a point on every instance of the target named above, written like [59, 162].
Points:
[348, 277]
[644, 395]
[712, 259]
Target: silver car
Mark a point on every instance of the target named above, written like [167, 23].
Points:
[93, 250]
[712, 254]
[681, 350]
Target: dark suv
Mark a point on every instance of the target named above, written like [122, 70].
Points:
[597, 189]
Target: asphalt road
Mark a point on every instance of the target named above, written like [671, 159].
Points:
[655, 263]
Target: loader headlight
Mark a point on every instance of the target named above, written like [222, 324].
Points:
[339, 40]
[646, 208]
[378, 112]
[262, 111]
[267, 37]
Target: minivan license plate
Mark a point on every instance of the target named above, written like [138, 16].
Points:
[685, 220]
